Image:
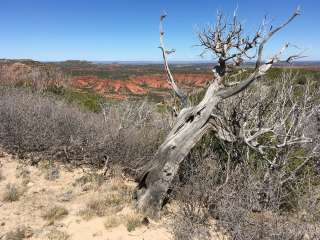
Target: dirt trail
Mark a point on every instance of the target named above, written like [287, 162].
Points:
[85, 212]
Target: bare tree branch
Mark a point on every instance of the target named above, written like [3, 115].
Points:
[270, 34]
[179, 93]
[259, 72]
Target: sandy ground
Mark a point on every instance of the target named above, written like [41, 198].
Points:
[43, 187]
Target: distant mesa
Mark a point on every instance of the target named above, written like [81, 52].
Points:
[115, 80]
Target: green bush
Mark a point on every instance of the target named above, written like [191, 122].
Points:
[85, 99]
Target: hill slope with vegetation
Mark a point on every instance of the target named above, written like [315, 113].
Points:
[75, 126]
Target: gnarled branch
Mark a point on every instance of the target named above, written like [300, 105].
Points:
[178, 92]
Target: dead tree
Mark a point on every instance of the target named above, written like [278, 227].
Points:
[227, 42]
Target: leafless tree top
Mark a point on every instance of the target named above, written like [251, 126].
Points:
[229, 43]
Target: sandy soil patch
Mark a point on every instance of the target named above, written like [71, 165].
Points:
[56, 203]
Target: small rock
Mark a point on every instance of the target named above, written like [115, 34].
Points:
[2, 224]
[145, 221]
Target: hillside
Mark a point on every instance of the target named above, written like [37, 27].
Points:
[52, 182]
[123, 81]
[111, 81]
[118, 81]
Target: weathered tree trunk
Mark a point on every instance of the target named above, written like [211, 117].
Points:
[193, 122]
[191, 125]
[156, 180]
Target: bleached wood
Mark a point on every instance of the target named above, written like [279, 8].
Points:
[194, 121]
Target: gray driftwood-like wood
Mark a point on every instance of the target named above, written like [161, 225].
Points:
[226, 42]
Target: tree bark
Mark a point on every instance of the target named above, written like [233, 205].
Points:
[191, 125]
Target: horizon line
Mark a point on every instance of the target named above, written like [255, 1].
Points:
[137, 61]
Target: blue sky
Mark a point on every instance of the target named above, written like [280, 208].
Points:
[51, 30]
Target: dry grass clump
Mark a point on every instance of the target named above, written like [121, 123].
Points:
[19, 233]
[91, 180]
[94, 207]
[120, 189]
[112, 221]
[56, 234]
[50, 170]
[111, 202]
[119, 194]
[55, 213]
[1, 175]
[116, 194]
[114, 199]
[23, 172]
[133, 221]
[52, 173]
[120, 185]
[12, 193]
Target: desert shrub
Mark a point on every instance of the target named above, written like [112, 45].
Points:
[112, 221]
[92, 179]
[23, 173]
[1, 175]
[252, 194]
[19, 233]
[96, 206]
[12, 193]
[133, 221]
[35, 125]
[111, 202]
[50, 169]
[55, 213]
[56, 234]
[85, 99]
[238, 205]
[121, 187]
